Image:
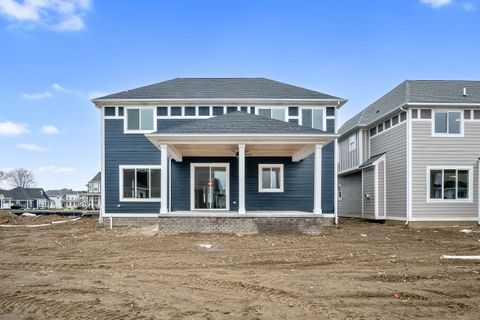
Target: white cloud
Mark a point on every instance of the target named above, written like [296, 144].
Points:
[31, 147]
[59, 15]
[9, 128]
[58, 87]
[469, 6]
[36, 96]
[56, 169]
[96, 94]
[436, 3]
[49, 129]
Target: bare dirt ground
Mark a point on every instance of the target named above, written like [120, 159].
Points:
[81, 270]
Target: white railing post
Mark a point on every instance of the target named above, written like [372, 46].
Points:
[317, 184]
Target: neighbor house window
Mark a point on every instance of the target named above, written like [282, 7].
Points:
[313, 118]
[448, 122]
[274, 113]
[270, 178]
[352, 142]
[449, 184]
[340, 192]
[140, 183]
[140, 119]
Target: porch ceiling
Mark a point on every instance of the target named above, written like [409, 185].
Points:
[230, 150]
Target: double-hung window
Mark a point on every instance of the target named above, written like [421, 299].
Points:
[450, 184]
[448, 123]
[139, 183]
[270, 178]
[140, 120]
[313, 118]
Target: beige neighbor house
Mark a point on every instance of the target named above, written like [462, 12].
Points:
[413, 155]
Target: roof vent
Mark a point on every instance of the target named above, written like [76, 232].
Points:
[464, 92]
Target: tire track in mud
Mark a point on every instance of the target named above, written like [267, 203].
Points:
[14, 303]
[258, 291]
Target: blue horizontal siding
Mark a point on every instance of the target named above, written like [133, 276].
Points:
[126, 149]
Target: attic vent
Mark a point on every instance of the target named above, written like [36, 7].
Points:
[377, 111]
[464, 92]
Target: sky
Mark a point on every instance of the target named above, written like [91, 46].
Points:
[55, 55]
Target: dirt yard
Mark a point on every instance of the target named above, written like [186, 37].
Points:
[81, 270]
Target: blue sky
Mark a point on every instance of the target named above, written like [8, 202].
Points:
[57, 54]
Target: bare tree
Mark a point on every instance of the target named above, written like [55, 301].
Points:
[3, 175]
[21, 177]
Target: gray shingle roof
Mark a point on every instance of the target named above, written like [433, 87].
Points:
[239, 123]
[20, 193]
[219, 88]
[371, 160]
[98, 177]
[409, 91]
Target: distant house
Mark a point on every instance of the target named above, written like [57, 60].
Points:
[93, 192]
[413, 154]
[31, 198]
[67, 199]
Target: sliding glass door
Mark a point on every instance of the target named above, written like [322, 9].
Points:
[210, 186]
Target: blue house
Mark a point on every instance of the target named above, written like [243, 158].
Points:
[218, 148]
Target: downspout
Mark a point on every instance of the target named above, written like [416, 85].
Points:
[335, 169]
[409, 165]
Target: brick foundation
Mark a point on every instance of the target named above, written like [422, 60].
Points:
[264, 225]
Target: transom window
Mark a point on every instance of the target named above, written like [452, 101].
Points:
[140, 120]
[449, 184]
[270, 178]
[140, 183]
[313, 118]
[448, 123]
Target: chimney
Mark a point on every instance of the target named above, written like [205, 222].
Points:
[464, 92]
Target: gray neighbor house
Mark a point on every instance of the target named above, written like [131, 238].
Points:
[413, 155]
[219, 154]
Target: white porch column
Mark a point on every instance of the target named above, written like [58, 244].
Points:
[317, 184]
[164, 179]
[241, 179]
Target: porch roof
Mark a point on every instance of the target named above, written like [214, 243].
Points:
[221, 136]
[239, 122]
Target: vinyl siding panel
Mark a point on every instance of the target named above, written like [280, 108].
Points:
[369, 188]
[347, 160]
[381, 189]
[451, 151]
[350, 204]
[126, 149]
[393, 143]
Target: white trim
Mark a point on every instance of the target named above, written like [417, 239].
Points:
[174, 153]
[449, 104]
[163, 178]
[125, 120]
[120, 189]
[375, 191]
[478, 189]
[241, 179]
[194, 165]
[450, 167]
[449, 135]
[102, 173]
[363, 202]
[304, 152]
[270, 166]
[317, 184]
[409, 165]
[169, 184]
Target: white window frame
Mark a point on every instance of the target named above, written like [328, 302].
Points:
[352, 142]
[120, 191]
[271, 108]
[262, 166]
[324, 109]
[462, 121]
[125, 120]
[450, 167]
